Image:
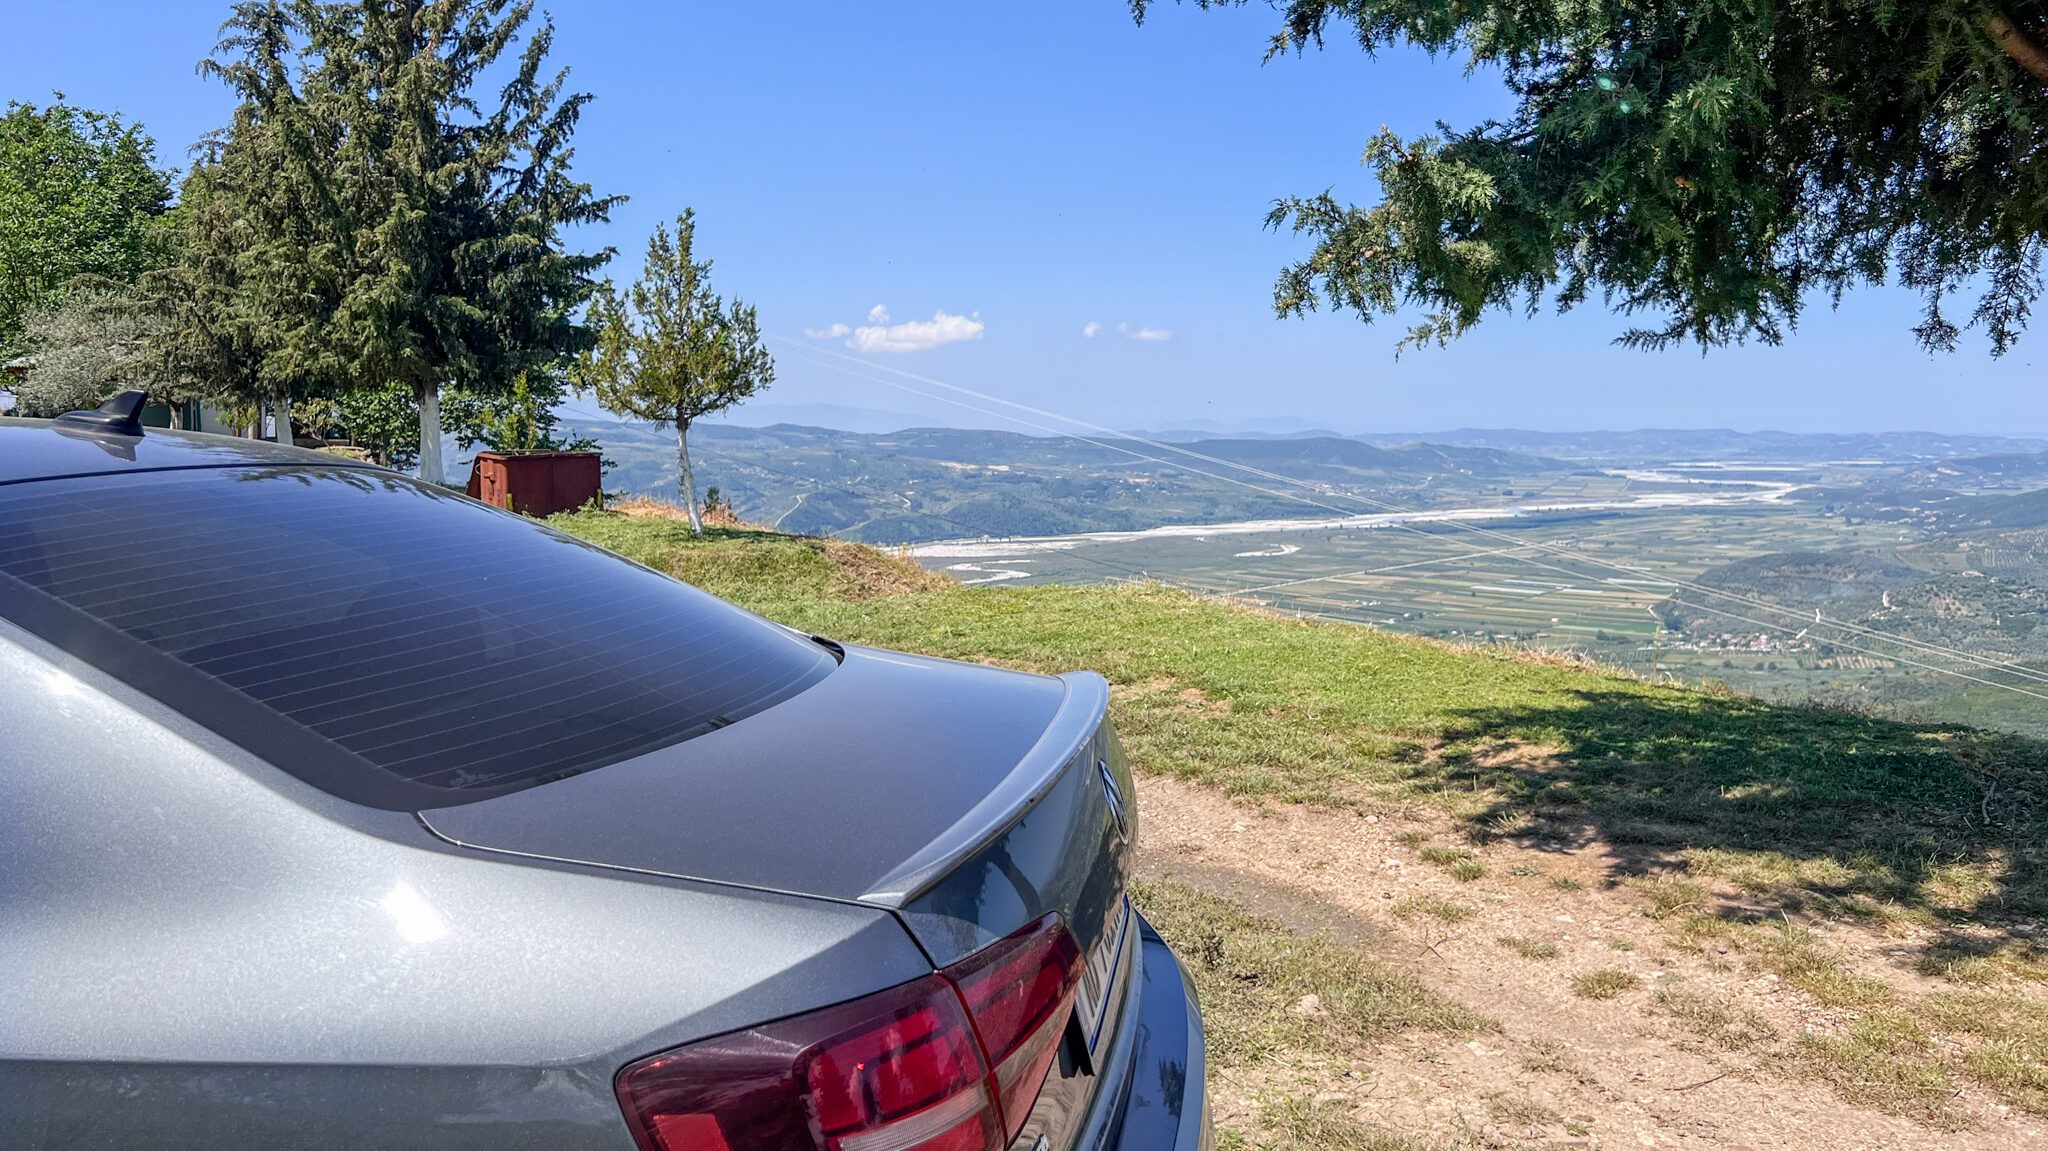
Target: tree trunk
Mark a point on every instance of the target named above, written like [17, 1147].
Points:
[689, 480]
[430, 433]
[177, 416]
[281, 411]
[2023, 51]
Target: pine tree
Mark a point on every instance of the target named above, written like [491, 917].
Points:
[1715, 164]
[673, 351]
[213, 341]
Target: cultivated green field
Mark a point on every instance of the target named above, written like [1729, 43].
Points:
[1584, 583]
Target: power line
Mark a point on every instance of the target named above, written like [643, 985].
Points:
[1123, 572]
[1119, 571]
[1957, 654]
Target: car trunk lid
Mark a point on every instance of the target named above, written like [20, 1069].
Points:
[870, 786]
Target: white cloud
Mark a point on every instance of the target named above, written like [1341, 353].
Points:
[1131, 333]
[915, 336]
[831, 333]
[878, 315]
[1089, 329]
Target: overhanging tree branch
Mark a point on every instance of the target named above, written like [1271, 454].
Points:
[1712, 165]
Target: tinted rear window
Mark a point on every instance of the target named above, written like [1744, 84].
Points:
[388, 642]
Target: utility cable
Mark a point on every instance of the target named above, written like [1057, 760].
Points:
[1957, 654]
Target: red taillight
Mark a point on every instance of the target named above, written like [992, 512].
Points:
[1020, 992]
[900, 1070]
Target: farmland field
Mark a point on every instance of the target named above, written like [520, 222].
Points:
[1505, 584]
[1619, 585]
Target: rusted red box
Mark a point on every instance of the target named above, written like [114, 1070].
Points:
[536, 483]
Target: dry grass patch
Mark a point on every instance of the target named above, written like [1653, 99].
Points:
[1718, 1021]
[1437, 909]
[1321, 1125]
[2010, 1054]
[1265, 990]
[1529, 948]
[1985, 962]
[1670, 895]
[1604, 983]
[1885, 1060]
[1793, 954]
[1900, 1055]
[758, 567]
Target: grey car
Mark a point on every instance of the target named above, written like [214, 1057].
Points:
[340, 811]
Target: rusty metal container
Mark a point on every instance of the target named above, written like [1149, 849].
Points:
[536, 483]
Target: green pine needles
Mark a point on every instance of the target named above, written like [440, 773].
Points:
[1712, 164]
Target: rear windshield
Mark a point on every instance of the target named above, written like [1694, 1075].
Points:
[386, 641]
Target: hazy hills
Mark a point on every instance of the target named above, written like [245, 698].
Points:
[1654, 444]
[919, 484]
[935, 483]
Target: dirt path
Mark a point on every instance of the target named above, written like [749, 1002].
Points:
[1564, 1071]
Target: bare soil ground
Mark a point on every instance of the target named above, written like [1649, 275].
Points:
[1697, 1047]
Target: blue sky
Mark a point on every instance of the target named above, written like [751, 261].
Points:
[1013, 173]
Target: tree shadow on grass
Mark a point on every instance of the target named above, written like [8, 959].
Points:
[1806, 805]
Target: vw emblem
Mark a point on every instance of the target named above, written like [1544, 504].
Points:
[1115, 795]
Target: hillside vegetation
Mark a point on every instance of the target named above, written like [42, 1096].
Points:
[943, 483]
[1739, 828]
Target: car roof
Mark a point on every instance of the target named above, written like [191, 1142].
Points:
[42, 450]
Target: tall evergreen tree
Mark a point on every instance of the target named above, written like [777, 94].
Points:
[1714, 164]
[209, 341]
[673, 351]
[401, 231]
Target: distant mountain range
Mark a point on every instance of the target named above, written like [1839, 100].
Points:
[1640, 445]
[1665, 445]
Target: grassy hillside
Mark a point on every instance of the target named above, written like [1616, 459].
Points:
[1718, 817]
[1511, 744]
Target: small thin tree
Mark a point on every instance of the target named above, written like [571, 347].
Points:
[673, 351]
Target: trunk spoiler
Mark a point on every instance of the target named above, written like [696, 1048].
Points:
[1079, 716]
